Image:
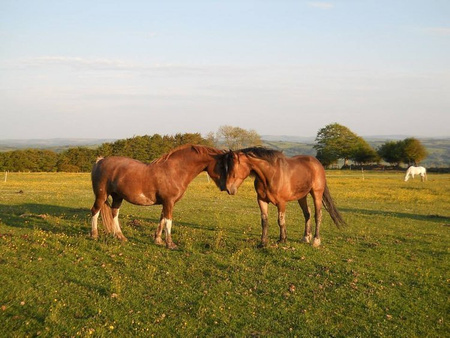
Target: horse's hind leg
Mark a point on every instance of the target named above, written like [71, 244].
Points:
[318, 217]
[307, 214]
[95, 212]
[116, 203]
[94, 222]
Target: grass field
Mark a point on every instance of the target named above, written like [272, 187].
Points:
[386, 274]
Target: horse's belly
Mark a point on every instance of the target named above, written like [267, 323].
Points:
[142, 199]
[132, 192]
[139, 199]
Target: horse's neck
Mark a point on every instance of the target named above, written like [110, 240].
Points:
[190, 165]
[200, 162]
[263, 169]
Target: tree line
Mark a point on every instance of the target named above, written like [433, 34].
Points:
[80, 159]
[334, 142]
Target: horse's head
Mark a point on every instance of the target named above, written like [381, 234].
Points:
[235, 169]
[214, 160]
[215, 170]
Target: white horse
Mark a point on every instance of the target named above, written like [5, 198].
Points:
[412, 170]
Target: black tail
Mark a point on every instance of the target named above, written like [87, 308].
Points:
[331, 208]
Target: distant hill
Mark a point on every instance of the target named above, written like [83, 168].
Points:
[287, 138]
[55, 144]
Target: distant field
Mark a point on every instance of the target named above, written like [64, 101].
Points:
[386, 274]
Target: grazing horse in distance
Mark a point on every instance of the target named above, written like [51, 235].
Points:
[412, 171]
[278, 180]
[162, 181]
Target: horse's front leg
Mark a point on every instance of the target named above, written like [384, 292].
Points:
[264, 207]
[282, 222]
[158, 232]
[115, 207]
[167, 219]
[307, 214]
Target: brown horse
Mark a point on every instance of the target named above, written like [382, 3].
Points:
[280, 179]
[163, 181]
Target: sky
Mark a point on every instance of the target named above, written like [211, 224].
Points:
[116, 69]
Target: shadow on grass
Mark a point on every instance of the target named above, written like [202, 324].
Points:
[52, 218]
[76, 221]
[429, 218]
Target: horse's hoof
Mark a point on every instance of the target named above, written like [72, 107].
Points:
[171, 246]
[94, 235]
[121, 237]
[306, 239]
[159, 241]
[262, 245]
[316, 242]
[282, 240]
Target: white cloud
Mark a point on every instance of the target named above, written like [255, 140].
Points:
[102, 64]
[321, 5]
[76, 62]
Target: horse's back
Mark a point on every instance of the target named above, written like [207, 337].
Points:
[112, 165]
[306, 173]
[416, 170]
[307, 163]
[116, 169]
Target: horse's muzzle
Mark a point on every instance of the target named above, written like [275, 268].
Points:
[232, 190]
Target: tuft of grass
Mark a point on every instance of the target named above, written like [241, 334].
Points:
[384, 274]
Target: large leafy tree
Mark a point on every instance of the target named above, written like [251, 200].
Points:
[391, 152]
[409, 151]
[413, 151]
[364, 153]
[334, 142]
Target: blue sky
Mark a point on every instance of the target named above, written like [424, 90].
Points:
[114, 69]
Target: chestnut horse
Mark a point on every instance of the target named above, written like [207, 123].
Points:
[278, 180]
[163, 181]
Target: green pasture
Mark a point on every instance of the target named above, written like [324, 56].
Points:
[385, 274]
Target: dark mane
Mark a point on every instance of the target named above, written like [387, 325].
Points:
[270, 155]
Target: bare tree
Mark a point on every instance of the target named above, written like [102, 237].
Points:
[237, 138]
